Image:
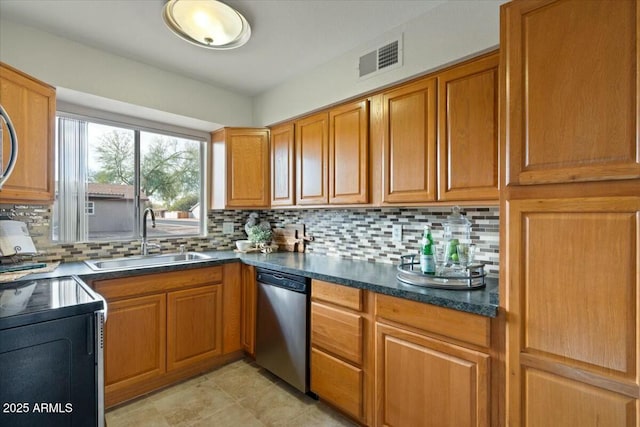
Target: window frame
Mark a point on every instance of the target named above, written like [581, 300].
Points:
[90, 208]
[138, 125]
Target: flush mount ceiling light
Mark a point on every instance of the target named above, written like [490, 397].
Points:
[207, 23]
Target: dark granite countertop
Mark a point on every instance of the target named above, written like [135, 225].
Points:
[377, 277]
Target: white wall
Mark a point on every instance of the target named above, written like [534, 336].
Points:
[452, 31]
[64, 63]
[447, 33]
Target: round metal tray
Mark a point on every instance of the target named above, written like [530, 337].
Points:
[454, 278]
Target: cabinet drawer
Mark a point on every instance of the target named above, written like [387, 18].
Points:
[337, 294]
[152, 283]
[337, 382]
[458, 325]
[337, 331]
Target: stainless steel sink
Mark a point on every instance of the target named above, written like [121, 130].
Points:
[147, 261]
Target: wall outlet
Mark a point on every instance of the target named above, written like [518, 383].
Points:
[396, 234]
[227, 228]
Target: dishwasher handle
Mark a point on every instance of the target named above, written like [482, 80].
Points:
[281, 280]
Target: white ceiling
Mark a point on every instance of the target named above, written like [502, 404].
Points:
[289, 37]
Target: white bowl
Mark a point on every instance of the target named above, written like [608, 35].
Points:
[243, 245]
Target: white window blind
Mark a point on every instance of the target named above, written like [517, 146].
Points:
[72, 177]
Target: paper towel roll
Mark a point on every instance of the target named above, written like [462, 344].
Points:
[15, 239]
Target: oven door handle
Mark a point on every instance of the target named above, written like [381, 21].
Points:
[90, 334]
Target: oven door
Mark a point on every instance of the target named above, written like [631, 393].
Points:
[47, 373]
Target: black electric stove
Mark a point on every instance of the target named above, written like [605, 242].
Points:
[51, 353]
[32, 301]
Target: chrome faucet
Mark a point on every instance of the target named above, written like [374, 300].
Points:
[145, 244]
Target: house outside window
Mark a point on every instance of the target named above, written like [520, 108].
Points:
[90, 208]
[108, 173]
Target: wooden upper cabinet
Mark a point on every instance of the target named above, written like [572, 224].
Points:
[282, 165]
[571, 75]
[409, 143]
[31, 105]
[349, 153]
[312, 151]
[468, 131]
[240, 168]
[332, 156]
[248, 162]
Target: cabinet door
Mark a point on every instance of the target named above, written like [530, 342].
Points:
[249, 292]
[312, 151]
[194, 325]
[337, 382]
[468, 131]
[426, 382]
[349, 153]
[409, 143]
[572, 329]
[134, 345]
[232, 308]
[247, 167]
[282, 161]
[31, 105]
[571, 73]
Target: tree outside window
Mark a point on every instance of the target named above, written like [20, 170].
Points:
[167, 179]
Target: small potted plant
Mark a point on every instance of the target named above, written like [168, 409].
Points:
[259, 235]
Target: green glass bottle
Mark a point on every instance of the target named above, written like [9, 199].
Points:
[427, 263]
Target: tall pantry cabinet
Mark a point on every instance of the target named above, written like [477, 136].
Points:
[570, 212]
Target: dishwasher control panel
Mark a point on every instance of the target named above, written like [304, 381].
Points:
[283, 280]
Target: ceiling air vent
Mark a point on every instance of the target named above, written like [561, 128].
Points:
[384, 58]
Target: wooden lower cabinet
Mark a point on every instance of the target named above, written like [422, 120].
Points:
[338, 331]
[165, 327]
[338, 382]
[423, 381]
[554, 400]
[340, 348]
[388, 361]
[134, 344]
[248, 309]
[432, 365]
[194, 325]
[572, 333]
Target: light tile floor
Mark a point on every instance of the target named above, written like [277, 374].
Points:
[239, 394]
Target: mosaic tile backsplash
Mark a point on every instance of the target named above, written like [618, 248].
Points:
[366, 234]
[360, 233]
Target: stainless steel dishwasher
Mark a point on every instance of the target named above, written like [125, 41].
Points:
[283, 324]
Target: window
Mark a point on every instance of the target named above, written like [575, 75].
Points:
[107, 174]
[90, 208]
